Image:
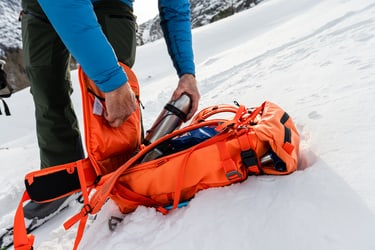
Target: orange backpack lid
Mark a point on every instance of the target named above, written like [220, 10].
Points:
[107, 146]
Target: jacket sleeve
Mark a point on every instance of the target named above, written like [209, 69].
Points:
[176, 26]
[76, 23]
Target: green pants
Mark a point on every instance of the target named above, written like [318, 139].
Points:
[46, 61]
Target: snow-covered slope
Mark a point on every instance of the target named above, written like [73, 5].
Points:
[316, 60]
[203, 12]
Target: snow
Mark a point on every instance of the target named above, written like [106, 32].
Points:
[313, 58]
[10, 25]
[145, 14]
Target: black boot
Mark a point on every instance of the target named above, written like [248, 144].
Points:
[33, 210]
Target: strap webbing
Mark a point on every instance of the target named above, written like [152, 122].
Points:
[180, 180]
[83, 214]
[248, 155]
[22, 240]
[230, 167]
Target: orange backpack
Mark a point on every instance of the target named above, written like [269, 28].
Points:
[261, 140]
[242, 146]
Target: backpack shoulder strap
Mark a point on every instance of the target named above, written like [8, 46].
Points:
[22, 240]
[81, 169]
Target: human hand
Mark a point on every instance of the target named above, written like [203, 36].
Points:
[188, 85]
[120, 104]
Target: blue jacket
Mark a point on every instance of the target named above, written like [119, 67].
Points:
[76, 24]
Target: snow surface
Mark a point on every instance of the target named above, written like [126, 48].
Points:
[313, 58]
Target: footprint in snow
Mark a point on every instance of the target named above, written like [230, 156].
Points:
[314, 115]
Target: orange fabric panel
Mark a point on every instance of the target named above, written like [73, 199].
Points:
[108, 147]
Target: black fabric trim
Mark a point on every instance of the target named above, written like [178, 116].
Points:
[284, 118]
[249, 158]
[53, 185]
[287, 135]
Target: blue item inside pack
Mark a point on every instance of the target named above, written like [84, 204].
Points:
[182, 142]
[192, 138]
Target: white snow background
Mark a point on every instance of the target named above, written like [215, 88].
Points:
[315, 59]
